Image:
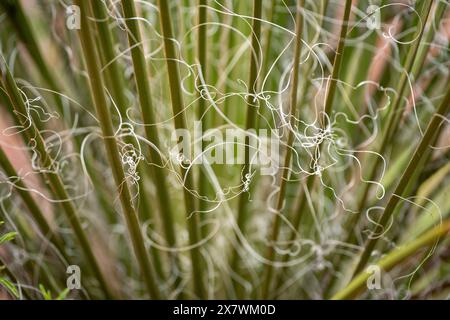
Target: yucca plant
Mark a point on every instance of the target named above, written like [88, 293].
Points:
[228, 149]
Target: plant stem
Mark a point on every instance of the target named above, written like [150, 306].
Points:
[25, 30]
[329, 99]
[227, 54]
[55, 181]
[301, 205]
[287, 160]
[267, 50]
[33, 208]
[251, 123]
[112, 73]
[142, 78]
[180, 123]
[337, 60]
[424, 46]
[310, 181]
[101, 106]
[389, 132]
[413, 64]
[202, 61]
[392, 259]
[432, 130]
[26, 33]
[4, 268]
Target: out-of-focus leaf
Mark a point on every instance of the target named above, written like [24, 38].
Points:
[432, 183]
[63, 294]
[8, 237]
[431, 215]
[9, 286]
[45, 293]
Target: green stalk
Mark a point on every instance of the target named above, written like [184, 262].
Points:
[145, 100]
[251, 123]
[337, 60]
[287, 160]
[414, 63]
[142, 79]
[394, 258]
[4, 269]
[27, 35]
[266, 58]
[176, 95]
[310, 181]
[113, 74]
[55, 181]
[101, 106]
[25, 31]
[329, 99]
[202, 47]
[31, 205]
[433, 129]
[268, 38]
[202, 60]
[300, 208]
[227, 53]
[424, 46]
[390, 130]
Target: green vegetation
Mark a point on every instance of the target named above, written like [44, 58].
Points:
[224, 149]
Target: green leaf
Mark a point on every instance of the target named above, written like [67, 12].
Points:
[432, 184]
[431, 216]
[8, 237]
[45, 293]
[63, 294]
[10, 287]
